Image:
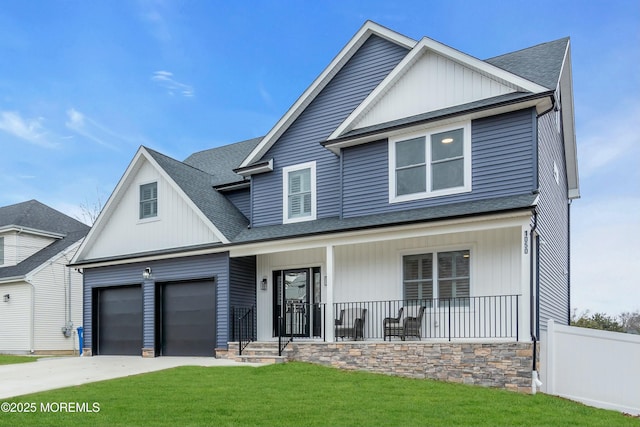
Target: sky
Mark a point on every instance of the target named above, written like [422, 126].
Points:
[84, 83]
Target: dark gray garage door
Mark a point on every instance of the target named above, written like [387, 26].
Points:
[119, 321]
[188, 319]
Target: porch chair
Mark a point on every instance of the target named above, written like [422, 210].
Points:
[392, 326]
[350, 324]
[412, 326]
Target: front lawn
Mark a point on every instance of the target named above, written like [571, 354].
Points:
[293, 394]
[8, 359]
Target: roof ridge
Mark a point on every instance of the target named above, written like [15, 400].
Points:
[176, 160]
[527, 48]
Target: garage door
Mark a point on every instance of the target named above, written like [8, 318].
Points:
[188, 319]
[119, 317]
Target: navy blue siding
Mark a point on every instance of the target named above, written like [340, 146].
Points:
[171, 270]
[242, 285]
[241, 199]
[553, 226]
[301, 142]
[503, 163]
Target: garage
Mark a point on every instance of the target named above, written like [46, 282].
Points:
[186, 318]
[119, 320]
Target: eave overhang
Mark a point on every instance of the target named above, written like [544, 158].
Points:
[475, 110]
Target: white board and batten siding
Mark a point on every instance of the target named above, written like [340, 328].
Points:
[373, 271]
[433, 82]
[177, 223]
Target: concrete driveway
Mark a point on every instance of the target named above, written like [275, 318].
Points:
[57, 372]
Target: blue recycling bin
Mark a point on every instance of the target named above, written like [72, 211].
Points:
[80, 338]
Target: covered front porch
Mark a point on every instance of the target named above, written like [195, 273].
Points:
[456, 280]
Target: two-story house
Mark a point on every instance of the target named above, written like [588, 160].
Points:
[413, 194]
[40, 297]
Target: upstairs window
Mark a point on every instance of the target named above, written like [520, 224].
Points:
[149, 200]
[430, 164]
[299, 192]
[1, 250]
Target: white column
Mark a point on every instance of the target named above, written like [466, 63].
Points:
[329, 300]
[524, 320]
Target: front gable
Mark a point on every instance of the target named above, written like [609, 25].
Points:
[122, 228]
[433, 77]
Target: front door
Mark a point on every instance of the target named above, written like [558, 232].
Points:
[294, 301]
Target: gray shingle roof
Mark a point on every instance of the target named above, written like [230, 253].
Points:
[540, 64]
[35, 215]
[198, 186]
[220, 162]
[335, 225]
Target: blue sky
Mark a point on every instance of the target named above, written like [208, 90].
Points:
[84, 84]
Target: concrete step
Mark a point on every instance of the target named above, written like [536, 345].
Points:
[261, 359]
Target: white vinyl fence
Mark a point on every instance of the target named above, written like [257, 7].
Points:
[598, 368]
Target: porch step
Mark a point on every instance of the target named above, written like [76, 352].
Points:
[263, 352]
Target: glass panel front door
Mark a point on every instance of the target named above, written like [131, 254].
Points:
[293, 300]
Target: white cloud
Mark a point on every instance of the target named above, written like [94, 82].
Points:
[97, 132]
[166, 80]
[30, 130]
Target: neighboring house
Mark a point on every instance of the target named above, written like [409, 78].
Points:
[408, 175]
[41, 298]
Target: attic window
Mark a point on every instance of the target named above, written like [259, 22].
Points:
[149, 200]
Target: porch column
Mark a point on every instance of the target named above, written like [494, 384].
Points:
[525, 277]
[329, 300]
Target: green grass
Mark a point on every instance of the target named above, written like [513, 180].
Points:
[7, 359]
[298, 394]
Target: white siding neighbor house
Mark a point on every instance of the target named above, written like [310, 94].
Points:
[40, 297]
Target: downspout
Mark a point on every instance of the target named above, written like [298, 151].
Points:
[535, 381]
[33, 316]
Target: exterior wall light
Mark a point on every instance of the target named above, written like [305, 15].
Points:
[146, 274]
[263, 283]
[7, 297]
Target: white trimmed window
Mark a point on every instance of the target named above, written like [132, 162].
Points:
[149, 200]
[439, 275]
[429, 164]
[299, 192]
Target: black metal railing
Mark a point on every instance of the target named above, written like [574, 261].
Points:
[243, 325]
[300, 320]
[494, 316]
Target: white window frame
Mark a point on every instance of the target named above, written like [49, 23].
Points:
[157, 215]
[285, 192]
[434, 252]
[466, 151]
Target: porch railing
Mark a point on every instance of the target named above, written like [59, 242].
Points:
[243, 325]
[494, 316]
[300, 320]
